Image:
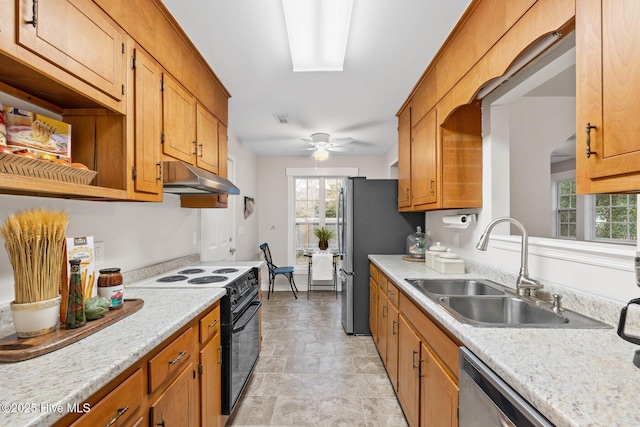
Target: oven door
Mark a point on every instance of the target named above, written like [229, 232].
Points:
[245, 349]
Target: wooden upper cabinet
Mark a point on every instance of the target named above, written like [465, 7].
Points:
[147, 123]
[404, 158]
[424, 174]
[607, 96]
[178, 121]
[223, 149]
[77, 36]
[206, 140]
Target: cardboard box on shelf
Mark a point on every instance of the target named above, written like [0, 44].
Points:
[44, 137]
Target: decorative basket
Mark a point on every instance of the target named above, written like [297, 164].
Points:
[24, 166]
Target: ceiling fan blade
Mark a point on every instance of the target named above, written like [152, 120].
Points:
[341, 141]
[329, 148]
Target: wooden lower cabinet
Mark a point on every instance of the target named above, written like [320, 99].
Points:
[176, 384]
[421, 360]
[373, 309]
[176, 406]
[409, 372]
[438, 393]
[392, 345]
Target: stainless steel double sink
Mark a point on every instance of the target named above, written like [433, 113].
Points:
[481, 302]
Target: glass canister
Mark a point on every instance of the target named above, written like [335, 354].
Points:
[110, 286]
[416, 244]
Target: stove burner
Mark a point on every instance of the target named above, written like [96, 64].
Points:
[191, 271]
[169, 279]
[226, 270]
[207, 279]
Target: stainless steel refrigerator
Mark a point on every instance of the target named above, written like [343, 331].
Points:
[369, 223]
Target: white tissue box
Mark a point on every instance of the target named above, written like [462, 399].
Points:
[449, 266]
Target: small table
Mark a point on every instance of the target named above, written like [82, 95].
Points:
[309, 256]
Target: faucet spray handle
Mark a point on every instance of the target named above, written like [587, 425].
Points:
[556, 301]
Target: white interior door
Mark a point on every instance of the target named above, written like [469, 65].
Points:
[217, 228]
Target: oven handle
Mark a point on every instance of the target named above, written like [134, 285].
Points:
[244, 324]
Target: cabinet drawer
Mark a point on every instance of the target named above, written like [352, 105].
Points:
[382, 283]
[392, 294]
[373, 272]
[210, 324]
[118, 405]
[170, 360]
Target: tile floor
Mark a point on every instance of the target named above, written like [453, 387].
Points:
[311, 373]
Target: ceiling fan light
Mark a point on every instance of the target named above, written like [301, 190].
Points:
[321, 154]
[317, 32]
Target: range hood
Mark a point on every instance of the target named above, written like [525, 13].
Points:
[183, 178]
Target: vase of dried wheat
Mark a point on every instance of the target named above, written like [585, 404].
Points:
[34, 240]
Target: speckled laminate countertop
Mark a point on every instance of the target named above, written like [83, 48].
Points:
[36, 389]
[574, 377]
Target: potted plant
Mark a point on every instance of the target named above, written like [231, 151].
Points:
[323, 234]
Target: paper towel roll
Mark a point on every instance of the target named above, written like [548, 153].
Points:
[458, 221]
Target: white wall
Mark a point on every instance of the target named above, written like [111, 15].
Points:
[537, 126]
[272, 190]
[134, 234]
[246, 179]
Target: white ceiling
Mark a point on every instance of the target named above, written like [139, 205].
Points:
[391, 42]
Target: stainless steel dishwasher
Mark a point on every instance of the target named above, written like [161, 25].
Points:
[487, 401]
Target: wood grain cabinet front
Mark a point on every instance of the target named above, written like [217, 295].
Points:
[210, 371]
[607, 93]
[176, 406]
[178, 121]
[77, 36]
[207, 140]
[117, 407]
[166, 364]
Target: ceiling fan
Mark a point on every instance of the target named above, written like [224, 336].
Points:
[321, 144]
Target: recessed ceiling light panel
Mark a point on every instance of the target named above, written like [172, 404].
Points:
[318, 32]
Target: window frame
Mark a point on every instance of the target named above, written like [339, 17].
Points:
[291, 174]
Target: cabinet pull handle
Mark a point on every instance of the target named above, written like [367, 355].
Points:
[431, 186]
[413, 360]
[120, 413]
[214, 323]
[420, 375]
[393, 328]
[384, 311]
[159, 165]
[161, 423]
[589, 127]
[219, 362]
[195, 148]
[174, 361]
[34, 18]
[201, 150]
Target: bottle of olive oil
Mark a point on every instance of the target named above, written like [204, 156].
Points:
[75, 307]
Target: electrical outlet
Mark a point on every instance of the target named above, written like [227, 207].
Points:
[98, 252]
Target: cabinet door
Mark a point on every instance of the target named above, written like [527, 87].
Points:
[222, 151]
[176, 406]
[438, 394]
[77, 36]
[408, 372]
[147, 123]
[392, 346]
[423, 160]
[373, 309]
[207, 140]
[210, 382]
[607, 89]
[383, 312]
[404, 158]
[178, 121]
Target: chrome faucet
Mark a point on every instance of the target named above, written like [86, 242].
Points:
[524, 284]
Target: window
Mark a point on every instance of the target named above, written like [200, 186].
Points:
[600, 217]
[316, 205]
[566, 212]
[615, 217]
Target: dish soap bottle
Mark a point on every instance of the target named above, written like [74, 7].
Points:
[75, 307]
[416, 244]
